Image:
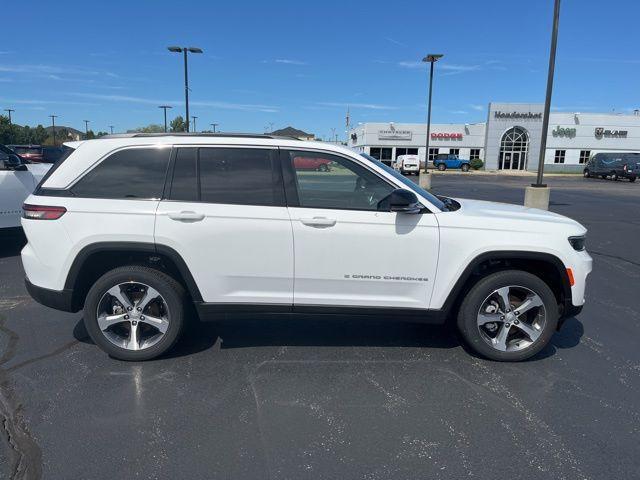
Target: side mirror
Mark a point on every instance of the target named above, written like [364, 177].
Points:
[14, 162]
[400, 200]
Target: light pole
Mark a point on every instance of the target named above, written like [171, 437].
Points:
[270, 127]
[214, 125]
[184, 50]
[165, 107]
[53, 125]
[9, 110]
[86, 129]
[431, 58]
[194, 123]
[111, 128]
[537, 195]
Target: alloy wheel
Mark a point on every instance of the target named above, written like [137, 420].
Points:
[511, 318]
[133, 315]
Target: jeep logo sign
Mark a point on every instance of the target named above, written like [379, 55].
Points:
[564, 132]
[600, 132]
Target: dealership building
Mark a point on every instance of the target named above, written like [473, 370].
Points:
[509, 139]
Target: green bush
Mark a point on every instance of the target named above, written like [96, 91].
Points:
[476, 164]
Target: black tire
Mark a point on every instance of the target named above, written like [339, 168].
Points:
[586, 173]
[604, 177]
[442, 167]
[632, 179]
[465, 167]
[172, 292]
[467, 315]
[614, 176]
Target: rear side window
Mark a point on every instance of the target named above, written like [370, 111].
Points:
[131, 173]
[237, 176]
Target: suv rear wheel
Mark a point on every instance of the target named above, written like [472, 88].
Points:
[508, 316]
[586, 173]
[465, 167]
[442, 167]
[135, 313]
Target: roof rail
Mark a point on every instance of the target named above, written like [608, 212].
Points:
[189, 134]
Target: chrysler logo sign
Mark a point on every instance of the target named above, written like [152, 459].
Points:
[602, 133]
[394, 134]
[518, 115]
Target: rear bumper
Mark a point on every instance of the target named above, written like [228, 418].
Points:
[58, 299]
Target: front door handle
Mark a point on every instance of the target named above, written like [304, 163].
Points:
[320, 222]
[185, 216]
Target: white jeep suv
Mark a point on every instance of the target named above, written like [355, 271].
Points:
[134, 229]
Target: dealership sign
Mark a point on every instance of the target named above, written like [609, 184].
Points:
[393, 134]
[564, 132]
[446, 136]
[518, 115]
[602, 133]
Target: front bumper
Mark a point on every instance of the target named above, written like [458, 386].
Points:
[58, 299]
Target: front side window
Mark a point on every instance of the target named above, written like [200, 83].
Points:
[131, 173]
[343, 185]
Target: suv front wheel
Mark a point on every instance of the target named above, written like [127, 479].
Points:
[508, 316]
[135, 313]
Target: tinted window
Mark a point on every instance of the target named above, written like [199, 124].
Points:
[185, 180]
[131, 173]
[241, 176]
[340, 183]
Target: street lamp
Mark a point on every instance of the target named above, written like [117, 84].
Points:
[164, 107]
[537, 195]
[194, 123]
[214, 125]
[53, 125]
[9, 110]
[111, 128]
[431, 58]
[185, 50]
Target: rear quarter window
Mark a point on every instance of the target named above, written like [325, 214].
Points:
[130, 173]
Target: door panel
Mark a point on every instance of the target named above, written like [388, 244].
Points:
[347, 253]
[363, 258]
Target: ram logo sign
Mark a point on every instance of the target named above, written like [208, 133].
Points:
[600, 132]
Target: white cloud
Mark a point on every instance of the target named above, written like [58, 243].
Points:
[150, 101]
[394, 41]
[411, 64]
[368, 106]
[477, 107]
[459, 112]
[288, 61]
[32, 101]
[454, 69]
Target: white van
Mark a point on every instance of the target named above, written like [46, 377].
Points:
[18, 179]
[408, 164]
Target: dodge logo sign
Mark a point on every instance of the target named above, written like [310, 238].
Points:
[446, 136]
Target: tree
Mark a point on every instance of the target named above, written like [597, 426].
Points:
[177, 124]
[151, 128]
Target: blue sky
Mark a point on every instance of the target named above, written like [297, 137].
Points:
[303, 63]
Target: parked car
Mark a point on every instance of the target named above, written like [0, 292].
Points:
[408, 164]
[132, 230]
[613, 166]
[18, 178]
[442, 161]
[33, 153]
[307, 163]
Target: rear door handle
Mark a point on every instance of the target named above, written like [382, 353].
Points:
[185, 216]
[321, 222]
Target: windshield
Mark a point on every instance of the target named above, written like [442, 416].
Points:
[408, 183]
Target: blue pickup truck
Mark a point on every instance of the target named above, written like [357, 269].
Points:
[442, 161]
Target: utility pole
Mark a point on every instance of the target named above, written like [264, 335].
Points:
[86, 129]
[53, 125]
[194, 124]
[537, 195]
[165, 107]
[214, 125]
[111, 127]
[9, 110]
[348, 124]
[270, 127]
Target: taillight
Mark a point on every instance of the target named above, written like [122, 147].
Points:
[41, 212]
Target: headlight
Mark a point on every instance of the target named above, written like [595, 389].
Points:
[578, 243]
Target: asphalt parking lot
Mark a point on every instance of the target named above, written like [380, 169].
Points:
[340, 397]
